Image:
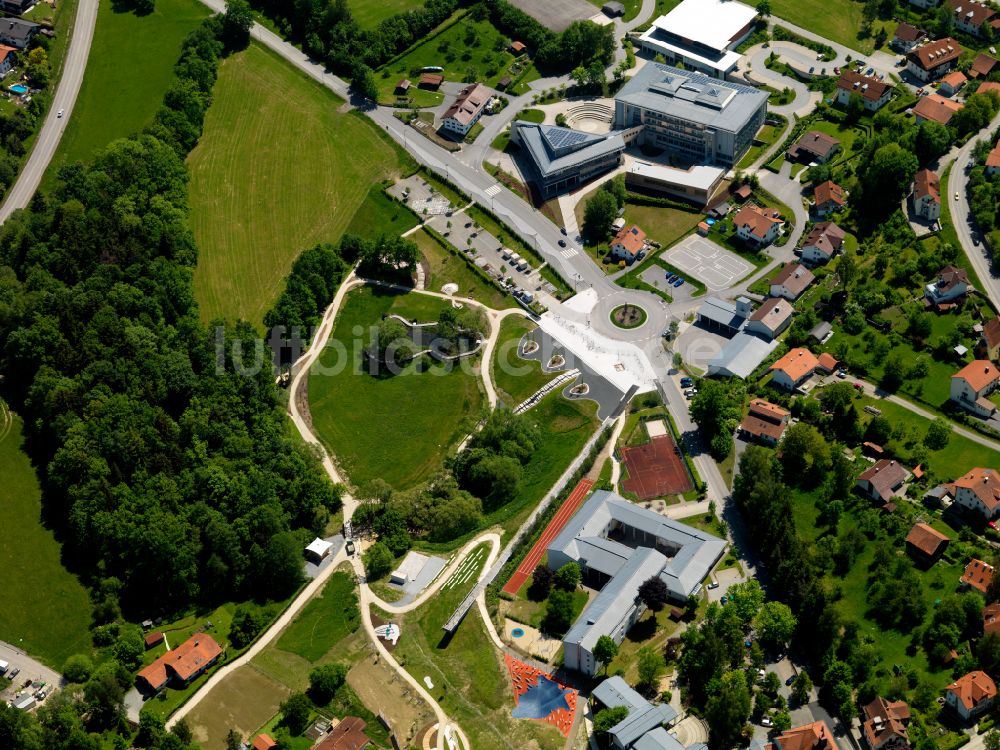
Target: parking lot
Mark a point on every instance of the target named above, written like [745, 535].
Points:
[656, 275]
[28, 676]
[418, 194]
[713, 265]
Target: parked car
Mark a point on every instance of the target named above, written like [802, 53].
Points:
[713, 585]
[679, 282]
[671, 276]
[869, 71]
[686, 382]
[859, 386]
[992, 525]
[762, 673]
[563, 230]
[790, 680]
[766, 722]
[14, 673]
[349, 547]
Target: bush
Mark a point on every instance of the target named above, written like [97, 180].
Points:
[78, 668]
[378, 561]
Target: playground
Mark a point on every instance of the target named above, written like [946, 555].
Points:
[655, 469]
[538, 696]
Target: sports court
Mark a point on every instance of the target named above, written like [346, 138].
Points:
[534, 556]
[655, 469]
[557, 14]
[713, 265]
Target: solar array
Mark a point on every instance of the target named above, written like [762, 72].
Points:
[560, 138]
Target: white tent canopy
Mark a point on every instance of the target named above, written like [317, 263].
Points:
[319, 548]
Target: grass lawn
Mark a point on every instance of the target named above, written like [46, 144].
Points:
[447, 267]
[326, 619]
[846, 134]
[369, 13]
[46, 609]
[837, 20]
[532, 613]
[765, 139]
[653, 629]
[380, 214]
[467, 50]
[470, 680]
[427, 412]
[129, 69]
[665, 225]
[514, 378]
[274, 173]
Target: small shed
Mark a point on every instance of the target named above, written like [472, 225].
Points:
[503, 83]
[743, 193]
[410, 568]
[24, 703]
[613, 9]
[703, 228]
[518, 48]
[318, 549]
[821, 331]
[403, 86]
[431, 81]
[152, 639]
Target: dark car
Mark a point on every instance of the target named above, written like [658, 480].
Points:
[790, 680]
[562, 243]
[686, 382]
[563, 230]
[349, 547]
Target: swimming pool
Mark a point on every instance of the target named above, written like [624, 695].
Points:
[540, 700]
[517, 632]
[19, 88]
[710, 222]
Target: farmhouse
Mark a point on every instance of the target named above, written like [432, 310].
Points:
[183, 664]
[466, 110]
[698, 118]
[813, 146]
[885, 723]
[927, 195]
[932, 60]
[618, 546]
[772, 317]
[883, 481]
[926, 543]
[562, 159]
[791, 281]
[952, 283]
[971, 694]
[349, 734]
[978, 491]
[697, 184]
[628, 243]
[794, 368]
[766, 422]
[828, 197]
[684, 35]
[972, 384]
[906, 37]
[935, 108]
[643, 726]
[823, 242]
[873, 92]
[758, 226]
[978, 575]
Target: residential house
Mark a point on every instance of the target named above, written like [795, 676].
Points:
[349, 734]
[978, 491]
[993, 158]
[971, 695]
[758, 226]
[823, 242]
[952, 82]
[971, 385]
[874, 93]
[989, 345]
[151, 640]
[826, 363]
[263, 742]
[926, 543]
[982, 66]
[8, 57]
[794, 368]
[927, 195]
[186, 662]
[724, 316]
[766, 422]
[16, 32]
[932, 60]
[628, 243]
[644, 726]
[906, 37]
[970, 16]
[770, 319]
[814, 146]
[952, 283]
[791, 281]
[978, 575]
[815, 736]
[17, 7]
[935, 108]
[988, 86]
[883, 481]
[991, 619]
[828, 198]
[466, 110]
[518, 48]
[885, 725]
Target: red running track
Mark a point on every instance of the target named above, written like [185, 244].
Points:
[562, 516]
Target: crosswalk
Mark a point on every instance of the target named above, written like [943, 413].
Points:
[493, 189]
[568, 252]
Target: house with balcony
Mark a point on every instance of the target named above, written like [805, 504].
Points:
[971, 385]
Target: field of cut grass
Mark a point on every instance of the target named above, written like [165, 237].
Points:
[379, 215]
[46, 610]
[326, 619]
[129, 69]
[276, 171]
[401, 427]
[370, 13]
[837, 20]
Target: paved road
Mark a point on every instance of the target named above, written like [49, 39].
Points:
[64, 99]
[30, 668]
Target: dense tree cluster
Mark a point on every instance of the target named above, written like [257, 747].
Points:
[984, 189]
[718, 408]
[310, 287]
[163, 466]
[602, 208]
[492, 465]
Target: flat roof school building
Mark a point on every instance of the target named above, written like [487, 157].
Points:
[618, 546]
[701, 119]
[702, 34]
[563, 158]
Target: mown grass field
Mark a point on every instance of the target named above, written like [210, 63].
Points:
[370, 13]
[399, 428]
[837, 20]
[514, 378]
[276, 171]
[129, 69]
[379, 214]
[46, 610]
[326, 619]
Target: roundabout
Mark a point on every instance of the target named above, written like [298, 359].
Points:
[628, 316]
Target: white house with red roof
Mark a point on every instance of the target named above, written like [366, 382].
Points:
[927, 195]
[758, 226]
[993, 160]
[978, 491]
[873, 92]
[628, 243]
[972, 384]
[951, 284]
[971, 695]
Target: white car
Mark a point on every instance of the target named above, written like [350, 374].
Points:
[766, 722]
[956, 195]
[59, 113]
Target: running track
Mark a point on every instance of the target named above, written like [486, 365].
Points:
[562, 516]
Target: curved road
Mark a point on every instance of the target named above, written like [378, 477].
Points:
[64, 99]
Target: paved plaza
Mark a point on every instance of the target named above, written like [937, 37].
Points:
[713, 265]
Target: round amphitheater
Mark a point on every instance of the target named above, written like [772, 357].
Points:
[590, 117]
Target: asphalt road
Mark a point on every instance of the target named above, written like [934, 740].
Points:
[64, 99]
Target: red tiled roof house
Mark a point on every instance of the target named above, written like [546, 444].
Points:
[349, 734]
[971, 695]
[978, 575]
[971, 385]
[979, 492]
[794, 368]
[758, 226]
[885, 725]
[829, 198]
[766, 422]
[186, 662]
[823, 242]
[932, 60]
[927, 195]
[628, 243]
[873, 92]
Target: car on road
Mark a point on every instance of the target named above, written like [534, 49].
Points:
[563, 230]
[686, 382]
[713, 585]
[349, 547]
[869, 71]
[859, 386]
[956, 195]
[562, 243]
[14, 673]
[790, 680]
[59, 113]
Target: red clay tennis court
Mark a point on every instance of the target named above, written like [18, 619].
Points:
[528, 564]
[655, 469]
